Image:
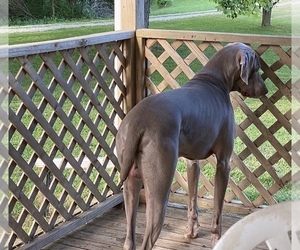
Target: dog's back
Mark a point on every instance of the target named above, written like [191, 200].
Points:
[189, 115]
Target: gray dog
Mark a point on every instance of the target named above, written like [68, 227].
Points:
[194, 121]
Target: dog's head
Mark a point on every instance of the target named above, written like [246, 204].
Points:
[248, 81]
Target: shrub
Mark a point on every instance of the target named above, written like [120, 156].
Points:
[163, 3]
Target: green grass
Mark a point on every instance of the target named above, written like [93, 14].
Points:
[221, 23]
[215, 23]
[29, 37]
[281, 26]
[179, 6]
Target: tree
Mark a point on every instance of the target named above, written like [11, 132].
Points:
[234, 8]
[53, 8]
[62, 9]
[147, 12]
[18, 8]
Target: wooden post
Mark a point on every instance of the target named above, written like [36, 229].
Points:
[141, 69]
[129, 15]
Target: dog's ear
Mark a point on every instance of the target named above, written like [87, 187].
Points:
[244, 64]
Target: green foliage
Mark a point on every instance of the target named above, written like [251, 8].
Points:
[58, 9]
[235, 8]
[163, 3]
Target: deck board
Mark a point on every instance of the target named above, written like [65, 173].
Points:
[108, 231]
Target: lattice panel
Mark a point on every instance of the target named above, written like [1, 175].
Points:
[296, 123]
[4, 230]
[63, 109]
[261, 162]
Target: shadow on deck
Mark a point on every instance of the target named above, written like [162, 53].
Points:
[108, 231]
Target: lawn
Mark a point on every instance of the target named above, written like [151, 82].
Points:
[220, 23]
[281, 24]
[179, 6]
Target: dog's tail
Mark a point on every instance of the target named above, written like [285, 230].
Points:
[128, 153]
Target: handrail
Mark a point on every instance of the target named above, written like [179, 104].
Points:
[215, 36]
[63, 44]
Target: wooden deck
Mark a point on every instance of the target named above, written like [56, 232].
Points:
[108, 231]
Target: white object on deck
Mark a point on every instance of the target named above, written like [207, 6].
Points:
[275, 225]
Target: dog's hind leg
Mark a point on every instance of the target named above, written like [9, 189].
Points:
[132, 187]
[193, 171]
[157, 182]
[221, 181]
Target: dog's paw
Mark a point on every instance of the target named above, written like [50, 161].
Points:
[192, 231]
[129, 245]
[191, 235]
[214, 239]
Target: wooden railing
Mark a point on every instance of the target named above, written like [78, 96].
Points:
[261, 162]
[66, 97]
[65, 100]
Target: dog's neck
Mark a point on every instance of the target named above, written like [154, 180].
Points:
[222, 81]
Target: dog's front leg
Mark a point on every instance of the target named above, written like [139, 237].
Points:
[193, 171]
[221, 181]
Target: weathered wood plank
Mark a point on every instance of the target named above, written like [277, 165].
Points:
[213, 36]
[64, 246]
[108, 231]
[129, 15]
[68, 43]
[70, 226]
[233, 208]
[140, 70]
